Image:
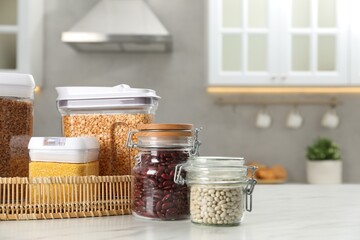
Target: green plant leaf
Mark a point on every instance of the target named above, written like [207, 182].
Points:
[323, 149]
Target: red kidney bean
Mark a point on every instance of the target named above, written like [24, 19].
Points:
[158, 206]
[160, 171]
[158, 196]
[167, 205]
[155, 193]
[165, 176]
[171, 212]
[167, 183]
[153, 182]
[166, 197]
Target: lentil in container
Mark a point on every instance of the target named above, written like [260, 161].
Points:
[107, 113]
[111, 131]
[61, 157]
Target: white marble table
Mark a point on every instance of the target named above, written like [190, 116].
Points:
[281, 212]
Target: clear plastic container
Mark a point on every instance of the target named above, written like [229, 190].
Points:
[16, 123]
[60, 157]
[161, 147]
[220, 190]
[107, 113]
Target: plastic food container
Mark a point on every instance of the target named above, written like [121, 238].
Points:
[220, 190]
[161, 148]
[107, 113]
[59, 156]
[16, 123]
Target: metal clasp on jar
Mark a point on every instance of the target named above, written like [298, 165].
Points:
[129, 141]
[249, 188]
[196, 144]
[178, 179]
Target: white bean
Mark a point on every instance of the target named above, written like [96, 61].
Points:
[215, 205]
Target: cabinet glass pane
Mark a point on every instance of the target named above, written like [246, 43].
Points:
[257, 14]
[232, 13]
[257, 52]
[300, 13]
[8, 12]
[231, 52]
[327, 13]
[7, 51]
[300, 49]
[326, 53]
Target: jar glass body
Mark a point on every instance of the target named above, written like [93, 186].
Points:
[110, 126]
[218, 190]
[155, 194]
[16, 121]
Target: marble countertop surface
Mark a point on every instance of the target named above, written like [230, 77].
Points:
[281, 212]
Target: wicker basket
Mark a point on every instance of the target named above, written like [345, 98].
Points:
[64, 197]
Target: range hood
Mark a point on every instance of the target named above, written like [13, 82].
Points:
[119, 25]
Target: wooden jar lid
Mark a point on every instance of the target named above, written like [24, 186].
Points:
[164, 130]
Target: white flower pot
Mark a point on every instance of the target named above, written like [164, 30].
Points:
[324, 172]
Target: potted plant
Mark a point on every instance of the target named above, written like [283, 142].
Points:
[324, 165]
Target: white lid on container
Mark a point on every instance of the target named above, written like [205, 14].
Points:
[119, 91]
[17, 85]
[122, 96]
[64, 150]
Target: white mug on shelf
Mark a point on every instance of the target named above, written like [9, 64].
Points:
[330, 119]
[294, 119]
[263, 119]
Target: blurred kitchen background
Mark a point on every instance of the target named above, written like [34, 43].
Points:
[181, 76]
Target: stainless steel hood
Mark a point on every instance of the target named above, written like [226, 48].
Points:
[119, 25]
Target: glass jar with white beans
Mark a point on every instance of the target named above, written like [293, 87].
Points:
[220, 189]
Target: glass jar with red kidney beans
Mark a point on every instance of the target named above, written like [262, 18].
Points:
[161, 147]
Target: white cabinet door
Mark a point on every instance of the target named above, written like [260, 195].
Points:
[241, 36]
[21, 37]
[355, 43]
[278, 42]
[315, 42]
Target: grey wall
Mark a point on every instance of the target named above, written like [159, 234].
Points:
[179, 78]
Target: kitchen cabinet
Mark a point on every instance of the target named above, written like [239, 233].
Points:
[21, 37]
[355, 43]
[279, 43]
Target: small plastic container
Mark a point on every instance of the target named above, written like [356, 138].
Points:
[220, 190]
[59, 156]
[16, 123]
[161, 147]
[107, 113]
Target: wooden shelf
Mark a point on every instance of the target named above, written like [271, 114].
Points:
[284, 90]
